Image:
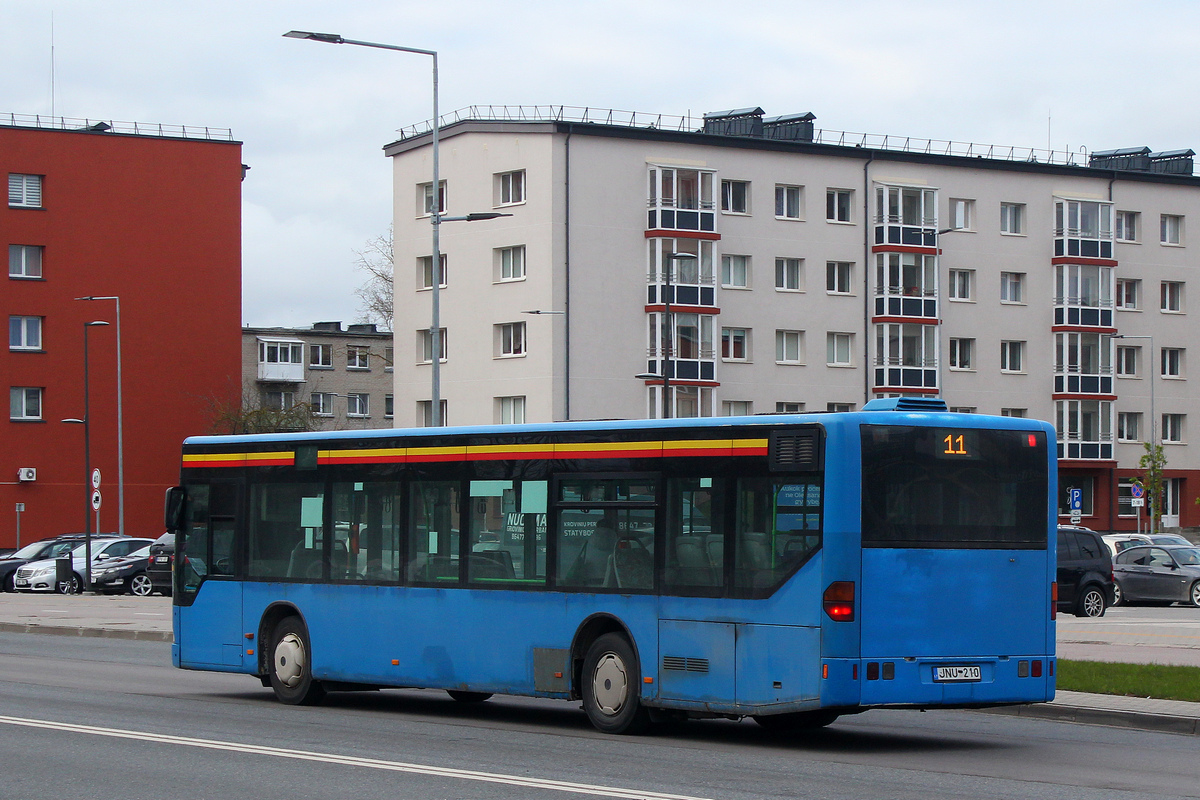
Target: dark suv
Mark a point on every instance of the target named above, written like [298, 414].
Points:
[162, 559]
[1085, 581]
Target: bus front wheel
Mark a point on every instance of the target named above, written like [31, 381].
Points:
[611, 686]
[291, 664]
[797, 721]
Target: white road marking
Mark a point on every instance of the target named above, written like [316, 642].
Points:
[352, 761]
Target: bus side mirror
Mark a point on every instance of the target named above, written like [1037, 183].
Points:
[173, 509]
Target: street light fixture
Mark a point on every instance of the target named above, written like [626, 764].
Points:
[435, 216]
[120, 421]
[87, 460]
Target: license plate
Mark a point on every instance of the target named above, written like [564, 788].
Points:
[22, 582]
[162, 559]
[959, 673]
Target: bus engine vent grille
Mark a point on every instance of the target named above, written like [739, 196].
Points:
[685, 664]
[795, 450]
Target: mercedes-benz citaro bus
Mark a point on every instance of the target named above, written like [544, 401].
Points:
[789, 568]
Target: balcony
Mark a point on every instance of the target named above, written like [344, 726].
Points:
[1083, 228]
[1084, 430]
[703, 367]
[667, 215]
[906, 301]
[896, 374]
[687, 289]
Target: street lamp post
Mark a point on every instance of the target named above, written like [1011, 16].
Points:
[87, 460]
[435, 217]
[1151, 367]
[120, 421]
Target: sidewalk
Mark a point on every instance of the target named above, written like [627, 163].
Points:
[149, 618]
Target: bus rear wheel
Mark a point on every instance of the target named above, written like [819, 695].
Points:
[797, 721]
[291, 664]
[468, 697]
[612, 686]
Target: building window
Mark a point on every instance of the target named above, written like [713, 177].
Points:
[320, 356]
[24, 333]
[962, 284]
[1129, 426]
[425, 413]
[24, 261]
[788, 277]
[279, 401]
[510, 339]
[788, 202]
[425, 345]
[789, 347]
[1172, 428]
[425, 198]
[425, 272]
[321, 404]
[735, 344]
[1085, 428]
[962, 214]
[1125, 226]
[735, 197]
[510, 188]
[510, 410]
[962, 354]
[1172, 297]
[510, 263]
[962, 409]
[24, 402]
[1012, 356]
[1012, 287]
[789, 408]
[735, 271]
[389, 358]
[1083, 228]
[1129, 294]
[838, 204]
[1172, 362]
[280, 352]
[389, 406]
[1014, 412]
[358, 404]
[736, 408]
[1012, 218]
[24, 191]
[358, 357]
[839, 348]
[839, 408]
[1171, 229]
[838, 277]
[1127, 361]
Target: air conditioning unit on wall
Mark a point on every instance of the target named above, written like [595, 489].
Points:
[26, 474]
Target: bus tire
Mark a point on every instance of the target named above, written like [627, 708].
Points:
[797, 721]
[612, 686]
[468, 697]
[291, 664]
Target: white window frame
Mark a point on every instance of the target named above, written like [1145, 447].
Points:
[294, 352]
[737, 408]
[358, 404]
[425, 413]
[1171, 362]
[510, 263]
[1125, 226]
[1012, 288]
[321, 404]
[1129, 426]
[320, 356]
[789, 202]
[728, 335]
[1171, 297]
[1173, 428]
[510, 410]
[961, 354]
[425, 198]
[510, 340]
[1128, 294]
[425, 346]
[389, 406]
[25, 402]
[358, 357]
[1012, 351]
[839, 408]
[24, 191]
[25, 333]
[789, 274]
[839, 349]
[835, 271]
[789, 407]
[834, 207]
[789, 347]
[425, 272]
[733, 201]
[1020, 413]
[20, 265]
[962, 214]
[1170, 230]
[1012, 219]
[959, 277]
[730, 264]
[279, 400]
[510, 188]
[1129, 361]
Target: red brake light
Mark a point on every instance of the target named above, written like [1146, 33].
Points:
[838, 601]
[1054, 600]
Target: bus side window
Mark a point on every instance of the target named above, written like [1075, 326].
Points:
[508, 532]
[366, 532]
[695, 542]
[286, 531]
[433, 532]
[778, 528]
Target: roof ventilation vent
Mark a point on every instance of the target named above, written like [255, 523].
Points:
[1172, 162]
[790, 127]
[735, 122]
[926, 404]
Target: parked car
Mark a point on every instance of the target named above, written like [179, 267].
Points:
[36, 551]
[40, 576]
[1170, 539]
[1117, 542]
[162, 559]
[125, 575]
[1085, 582]
[1155, 574]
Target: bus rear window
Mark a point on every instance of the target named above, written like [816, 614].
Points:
[953, 487]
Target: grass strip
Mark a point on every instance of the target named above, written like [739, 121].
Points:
[1161, 681]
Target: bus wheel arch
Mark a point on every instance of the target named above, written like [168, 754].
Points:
[291, 664]
[266, 627]
[588, 632]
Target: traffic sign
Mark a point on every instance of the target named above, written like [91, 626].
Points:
[20, 507]
[96, 499]
[1137, 490]
[1076, 499]
[96, 478]
[1137, 502]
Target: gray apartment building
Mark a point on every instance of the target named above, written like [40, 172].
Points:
[766, 266]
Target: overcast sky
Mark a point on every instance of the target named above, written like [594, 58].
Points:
[314, 117]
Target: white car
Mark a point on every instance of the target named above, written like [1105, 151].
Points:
[1121, 541]
[40, 576]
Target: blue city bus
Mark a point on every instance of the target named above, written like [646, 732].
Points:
[790, 568]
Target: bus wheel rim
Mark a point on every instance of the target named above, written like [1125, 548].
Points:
[609, 684]
[289, 660]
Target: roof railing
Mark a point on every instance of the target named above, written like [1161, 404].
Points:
[115, 126]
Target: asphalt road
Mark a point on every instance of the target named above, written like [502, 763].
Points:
[110, 717]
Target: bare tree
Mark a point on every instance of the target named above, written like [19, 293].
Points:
[252, 414]
[378, 292]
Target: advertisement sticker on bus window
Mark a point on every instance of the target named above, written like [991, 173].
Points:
[534, 495]
[311, 512]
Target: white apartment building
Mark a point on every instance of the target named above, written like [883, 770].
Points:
[764, 266]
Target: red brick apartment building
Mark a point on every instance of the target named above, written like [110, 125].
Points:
[147, 214]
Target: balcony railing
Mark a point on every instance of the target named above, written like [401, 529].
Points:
[901, 373]
[911, 301]
[689, 290]
[1072, 380]
[1083, 311]
[1095, 447]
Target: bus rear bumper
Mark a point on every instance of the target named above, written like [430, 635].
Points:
[929, 682]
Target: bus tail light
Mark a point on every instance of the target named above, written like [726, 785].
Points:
[838, 601]
[1054, 600]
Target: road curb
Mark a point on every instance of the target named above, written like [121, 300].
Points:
[1113, 718]
[103, 633]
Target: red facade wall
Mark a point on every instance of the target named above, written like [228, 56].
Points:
[157, 222]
